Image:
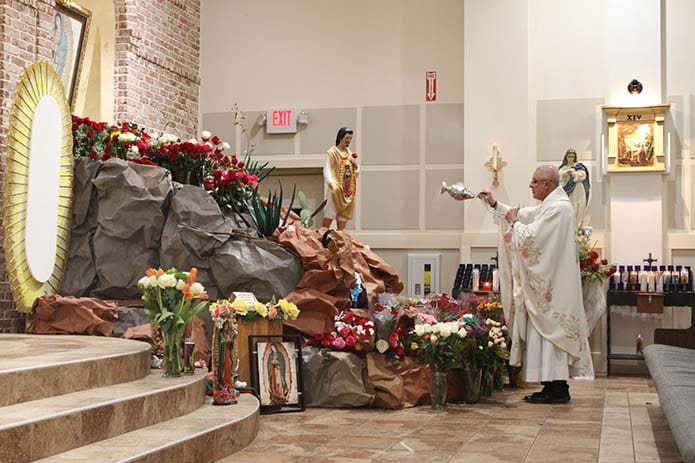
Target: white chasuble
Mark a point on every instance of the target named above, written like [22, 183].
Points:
[541, 287]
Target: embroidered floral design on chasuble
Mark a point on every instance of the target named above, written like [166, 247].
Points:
[570, 324]
[348, 179]
[529, 251]
[542, 291]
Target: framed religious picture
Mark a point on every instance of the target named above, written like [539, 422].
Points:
[636, 138]
[276, 373]
[70, 27]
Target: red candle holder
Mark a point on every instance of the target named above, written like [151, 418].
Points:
[487, 286]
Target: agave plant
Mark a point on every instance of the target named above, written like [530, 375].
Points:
[266, 214]
[306, 214]
[256, 168]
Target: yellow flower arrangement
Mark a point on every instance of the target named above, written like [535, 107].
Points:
[290, 310]
[240, 307]
[261, 309]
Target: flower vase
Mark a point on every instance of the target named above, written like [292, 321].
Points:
[172, 363]
[188, 359]
[438, 390]
[471, 384]
[498, 376]
[487, 381]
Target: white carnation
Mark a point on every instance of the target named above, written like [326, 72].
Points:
[167, 281]
[127, 137]
[225, 146]
[193, 140]
[135, 149]
[463, 333]
[445, 330]
[196, 288]
[205, 134]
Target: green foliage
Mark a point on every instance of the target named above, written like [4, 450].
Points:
[266, 214]
[306, 215]
[256, 168]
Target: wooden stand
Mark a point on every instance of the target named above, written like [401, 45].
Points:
[258, 327]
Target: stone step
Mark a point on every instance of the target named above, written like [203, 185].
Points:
[34, 367]
[40, 428]
[203, 436]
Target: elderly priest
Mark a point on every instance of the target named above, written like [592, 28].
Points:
[541, 287]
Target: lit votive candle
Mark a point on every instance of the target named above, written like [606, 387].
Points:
[487, 286]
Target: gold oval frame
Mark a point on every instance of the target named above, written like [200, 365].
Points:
[38, 81]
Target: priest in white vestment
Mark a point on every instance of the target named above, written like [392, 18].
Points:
[541, 287]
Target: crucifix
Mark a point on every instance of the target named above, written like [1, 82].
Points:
[650, 260]
[495, 164]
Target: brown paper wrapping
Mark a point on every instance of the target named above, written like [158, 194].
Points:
[329, 273]
[399, 384]
[55, 314]
[335, 379]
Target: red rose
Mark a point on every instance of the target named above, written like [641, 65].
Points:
[240, 164]
[393, 340]
[582, 264]
[90, 134]
[594, 267]
[400, 351]
[171, 156]
[93, 154]
[378, 308]
[345, 332]
[604, 261]
[349, 316]
[142, 146]
[105, 157]
[108, 149]
[594, 254]
[208, 184]
[216, 140]
[355, 156]
[350, 341]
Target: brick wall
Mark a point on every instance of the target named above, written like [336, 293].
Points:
[157, 64]
[25, 36]
[156, 76]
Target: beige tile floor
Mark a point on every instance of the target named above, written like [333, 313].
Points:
[611, 420]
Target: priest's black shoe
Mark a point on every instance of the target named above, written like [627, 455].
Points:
[548, 399]
[556, 392]
[545, 390]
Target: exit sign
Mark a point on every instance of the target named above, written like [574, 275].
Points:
[281, 121]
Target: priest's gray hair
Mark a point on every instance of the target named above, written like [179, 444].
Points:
[550, 173]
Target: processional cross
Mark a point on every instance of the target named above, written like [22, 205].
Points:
[650, 260]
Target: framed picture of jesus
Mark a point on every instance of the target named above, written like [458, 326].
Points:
[276, 372]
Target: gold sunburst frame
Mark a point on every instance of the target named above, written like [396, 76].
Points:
[37, 82]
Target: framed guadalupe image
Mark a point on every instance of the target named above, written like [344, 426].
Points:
[70, 28]
[276, 373]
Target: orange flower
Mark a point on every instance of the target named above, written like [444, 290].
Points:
[159, 272]
[149, 272]
[193, 275]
